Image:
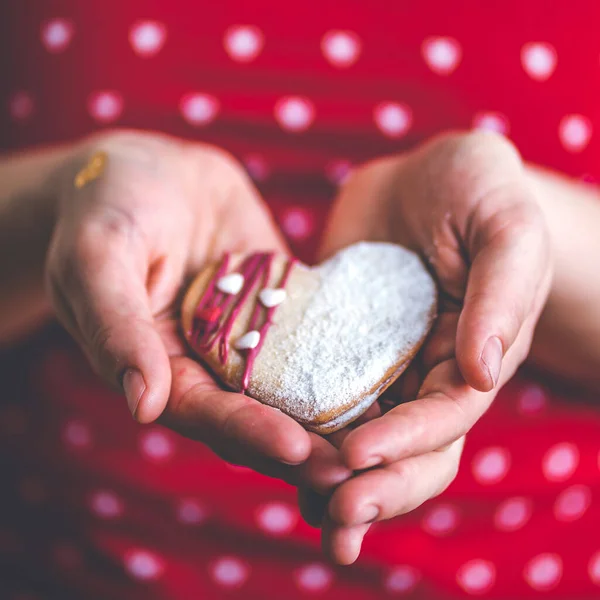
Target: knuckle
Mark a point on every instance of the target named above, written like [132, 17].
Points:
[347, 510]
[468, 164]
[112, 233]
[115, 225]
[485, 144]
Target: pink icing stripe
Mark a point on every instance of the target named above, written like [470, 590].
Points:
[205, 334]
[253, 353]
[251, 273]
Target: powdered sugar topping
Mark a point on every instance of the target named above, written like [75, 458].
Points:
[373, 304]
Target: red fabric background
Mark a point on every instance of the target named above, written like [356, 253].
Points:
[94, 506]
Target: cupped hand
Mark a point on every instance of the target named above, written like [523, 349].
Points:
[124, 246]
[465, 204]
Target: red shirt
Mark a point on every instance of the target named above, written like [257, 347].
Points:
[95, 506]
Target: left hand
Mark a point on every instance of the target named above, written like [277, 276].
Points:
[465, 204]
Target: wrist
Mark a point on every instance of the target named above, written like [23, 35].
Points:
[29, 193]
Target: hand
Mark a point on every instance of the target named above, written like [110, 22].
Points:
[123, 247]
[465, 204]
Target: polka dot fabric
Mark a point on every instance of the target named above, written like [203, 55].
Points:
[95, 506]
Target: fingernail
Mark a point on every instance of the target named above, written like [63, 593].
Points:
[492, 358]
[368, 514]
[134, 387]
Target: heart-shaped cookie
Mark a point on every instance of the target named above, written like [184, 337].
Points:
[320, 344]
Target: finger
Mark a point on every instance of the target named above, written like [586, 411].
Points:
[357, 211]
[342, 545]
[324, 469]
[446, 409]
[104, 279]
[506, 280]
[312, 506]
[321, 472]
[441, 343]
[170, 334]
[407, 389]
[230, 422]
[395, 489]
[337, 437]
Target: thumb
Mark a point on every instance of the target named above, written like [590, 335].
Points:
[103, 283]
[360, 210]
[507, 285]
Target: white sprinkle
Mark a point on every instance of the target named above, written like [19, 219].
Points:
[231, 284]
[270, 297]
[248, 341]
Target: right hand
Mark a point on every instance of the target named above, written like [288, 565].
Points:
[123, 248]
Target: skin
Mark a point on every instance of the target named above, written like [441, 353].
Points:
[465, 203]
[119, 251]
[122, 249]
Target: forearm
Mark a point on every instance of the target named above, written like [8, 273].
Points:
[567, 340]
[28, 197]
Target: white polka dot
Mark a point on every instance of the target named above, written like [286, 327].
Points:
[297, 222]
[76, 434]
[66, 555]
[512, 514]
[147, 38]
[21, 106]
[243, 43]
[106, 505]
[257, 167]
[191, 512]
[156, 446]
[477, 576]
[441, 520]
[560, 462]
[402, 579]
[229, 572]
[531, 399]
[491, 465]
[538, 60]
[199, 109]
[338, 171]
[575, 132]
[294, 113]
[341, 48]
[276, 518]
[594, 568]
[314, 577]
[491, 121]
[543, 572]
[105, 106]
[143, 565]
[393, 119]
[56, 35]
[32, 490]
[572, 503]
[442, 54]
